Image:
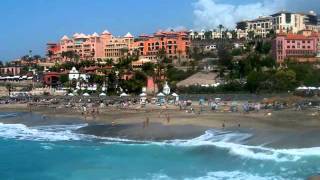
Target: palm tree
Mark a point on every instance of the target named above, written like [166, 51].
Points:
[220, 30]
[251, 35]
[9, 88]
[109, 62]
[179, 56]
[161, 55]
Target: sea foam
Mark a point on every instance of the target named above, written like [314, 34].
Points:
[219, 175]
[42, 133]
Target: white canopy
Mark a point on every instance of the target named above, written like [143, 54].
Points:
[123, 95]
[175, 94]
[160, 94]
[102, 94]
[86, 94]
[143, 94]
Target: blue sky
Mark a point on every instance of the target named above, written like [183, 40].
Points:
[30, 24]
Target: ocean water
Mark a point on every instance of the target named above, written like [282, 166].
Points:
[57, 152]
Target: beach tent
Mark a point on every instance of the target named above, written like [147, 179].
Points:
[124, 95]
[70, 94]
[102, 94]
[86, 94]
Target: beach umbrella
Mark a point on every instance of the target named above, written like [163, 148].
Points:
[86, 94]
[102, 94]
[302, 88]
[174, 94]
[143, 95]
[70, 94]
[123, 95]
[160, 95]
[312, 88]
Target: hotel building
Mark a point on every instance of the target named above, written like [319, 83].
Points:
[299, 47]
[260, 26]
[280, 22]
[116, 47]
[91, 47]
[175, 44]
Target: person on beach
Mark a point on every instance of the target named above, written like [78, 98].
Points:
[144, 124]
[147, 121]
[168, 118]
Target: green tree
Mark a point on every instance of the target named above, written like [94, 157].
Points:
[109, 62]
[208, 35]
[225, 58]
[251, 35]
[64, 78]
[285, 80]
[148, 68]
[255, 80]
[9, 88]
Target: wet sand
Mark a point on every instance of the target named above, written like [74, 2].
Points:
[281, 129]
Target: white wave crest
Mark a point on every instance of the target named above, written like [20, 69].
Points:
[43, 133]
[231, 175]
[232, 143]
[229, 141]
[219, 175]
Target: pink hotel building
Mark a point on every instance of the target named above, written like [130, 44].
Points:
[107, 46]
[299, 47]
[91, 47]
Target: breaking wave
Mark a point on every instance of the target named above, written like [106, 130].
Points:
[232, 142]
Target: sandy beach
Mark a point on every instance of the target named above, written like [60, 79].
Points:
[284, 129]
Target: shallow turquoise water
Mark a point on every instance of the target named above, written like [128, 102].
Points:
[56, 152]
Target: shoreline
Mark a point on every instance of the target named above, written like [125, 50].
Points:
[281, 129]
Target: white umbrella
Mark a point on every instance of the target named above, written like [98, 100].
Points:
[160, 95]
[302, 88]
[175, 94]
[143, 94]
[312, 88]
[86, 94]
[123, 94]
[70, 94]
[102, 94]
